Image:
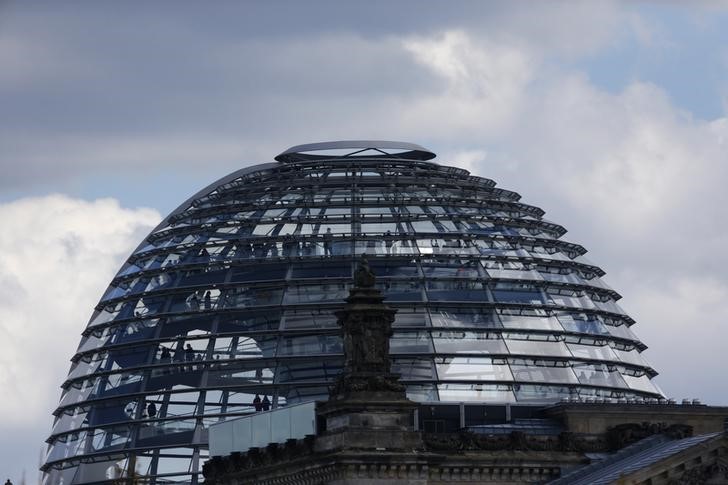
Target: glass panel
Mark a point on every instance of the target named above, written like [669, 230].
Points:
[370, 246]
[330, 270]
[309, 371]
[492, 393]
[530, 322]
[495, 247]
[231, 373]
[472, 369]
[245, 347]
[632, 357]
[422, 393]
[403, 318]
[469, 343]
[533, 347]
[395, 290]
[540, 393]
[464, 317]
[516, 293]
[423, 227]
[249, 322]
[456, 290]
[622, 331]
[531, 373]
[310, 345]
[571, 298]
[464, 270]
[598, 375]
[414, 369]
[582, 323]
[120, 383]
[394, 269]
[410, 342]
[259, 272]
[194, 278]
[445, 246]
[609, 306]
[70, 420]
[642, 383]
[316, 293]
[308, 319]
[384, 228]
[515, 270]
[246, 297]
[594, 352]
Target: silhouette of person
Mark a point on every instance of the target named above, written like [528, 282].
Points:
[190, 356]
[8, 482]
[389, 243]
[257, 404]
[208, 300]
[266, 403]
[151, 410]
[328, 238]
[194, 302]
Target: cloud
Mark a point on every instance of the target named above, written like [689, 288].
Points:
[485, 86]
[57, 255]
[78, 93]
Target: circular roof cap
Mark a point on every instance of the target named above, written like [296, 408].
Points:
[355, 149]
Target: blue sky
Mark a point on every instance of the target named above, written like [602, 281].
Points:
[611, 116]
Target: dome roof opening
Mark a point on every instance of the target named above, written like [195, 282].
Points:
[356, 148]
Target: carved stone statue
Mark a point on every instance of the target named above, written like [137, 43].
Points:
[363, 276]
[366, 324]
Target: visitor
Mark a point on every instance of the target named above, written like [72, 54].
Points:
[190, 356]
[328, 242]
[257, 403]
[151, 410]
[266, 403]
[208, 300]
[194, 302]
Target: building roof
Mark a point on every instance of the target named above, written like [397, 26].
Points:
[356, 148]
[638, 456]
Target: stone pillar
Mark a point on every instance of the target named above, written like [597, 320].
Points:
[368, 403]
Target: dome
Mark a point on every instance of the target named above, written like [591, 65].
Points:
[233, 295]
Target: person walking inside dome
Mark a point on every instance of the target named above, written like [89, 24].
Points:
[328, 238]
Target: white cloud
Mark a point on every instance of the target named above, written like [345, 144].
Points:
[485, 83]
[57, 254]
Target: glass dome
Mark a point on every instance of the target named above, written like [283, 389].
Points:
[227, 307]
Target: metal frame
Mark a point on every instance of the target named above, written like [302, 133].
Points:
[530, 314]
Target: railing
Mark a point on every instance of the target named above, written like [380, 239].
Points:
[259, 430]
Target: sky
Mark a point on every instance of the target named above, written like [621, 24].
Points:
[611, 116]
